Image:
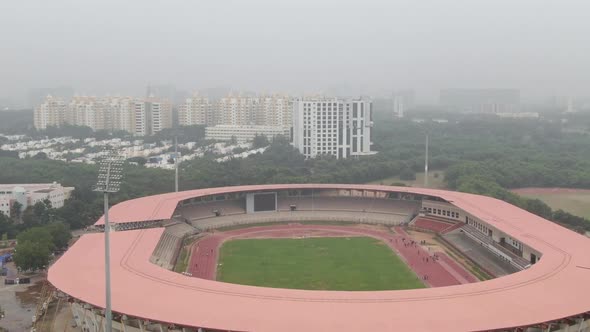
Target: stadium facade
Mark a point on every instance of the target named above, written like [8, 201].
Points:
[548, 293]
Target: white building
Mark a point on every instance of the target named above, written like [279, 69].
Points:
[31, 194]
[243, 133]
[341, 128]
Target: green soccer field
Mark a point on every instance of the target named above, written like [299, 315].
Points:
[355, 263]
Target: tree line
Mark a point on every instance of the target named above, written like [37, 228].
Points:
[485, 157]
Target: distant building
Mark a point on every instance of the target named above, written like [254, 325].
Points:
[121, 113]
[36, 96]
[31, 194]
[243, 133]
[237, 110]
[402, 100]
[160, 114]
[332, 126]
[50, 113]
[481, 100]
[137, 116]
[275, 110]
[196, 110]
[88, 111]
[519, 115]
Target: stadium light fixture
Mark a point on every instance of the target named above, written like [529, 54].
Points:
[110, 174]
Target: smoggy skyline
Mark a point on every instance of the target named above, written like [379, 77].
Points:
[305, 46]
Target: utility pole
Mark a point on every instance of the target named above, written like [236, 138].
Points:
[109, 181]
[426, 164]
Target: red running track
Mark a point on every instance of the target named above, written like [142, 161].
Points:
[435, 273]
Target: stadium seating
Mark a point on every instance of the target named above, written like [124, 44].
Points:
[433, 225]
[207, 209]
[167, 249]
[494, 247]
[354, 204]
[294, 216]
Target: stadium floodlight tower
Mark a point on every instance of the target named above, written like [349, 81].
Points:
[110, 174]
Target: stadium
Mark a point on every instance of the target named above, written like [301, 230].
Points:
[502, 268]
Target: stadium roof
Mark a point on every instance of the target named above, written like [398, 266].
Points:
[554, 288]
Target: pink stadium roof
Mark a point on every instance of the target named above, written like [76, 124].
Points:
[553, 288]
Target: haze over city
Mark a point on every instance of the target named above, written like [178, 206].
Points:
[333, 47]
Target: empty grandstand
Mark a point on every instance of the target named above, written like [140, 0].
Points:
[166, 251]
[551, 261]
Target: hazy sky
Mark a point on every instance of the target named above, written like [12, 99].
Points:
[368, 46]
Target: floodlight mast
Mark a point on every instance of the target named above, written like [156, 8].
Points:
[176, 163]
[109, 181]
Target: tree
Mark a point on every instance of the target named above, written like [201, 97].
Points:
[40, 156]
[33, 249]
[233, 140]
[41, 235]
[31, 255]
[16, 210]
[38, 214]
[139, 160]
[60, 234]
[259, 141]
[7, 226]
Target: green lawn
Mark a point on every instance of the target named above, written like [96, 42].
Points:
[355, 263]
[434, 181]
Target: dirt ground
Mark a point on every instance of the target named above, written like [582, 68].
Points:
[19, 303]
[575, 201]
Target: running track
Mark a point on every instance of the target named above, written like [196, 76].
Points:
[441, 272]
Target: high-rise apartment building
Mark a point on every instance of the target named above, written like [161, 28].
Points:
[151, 116]
[341, 128]
[90, 112]
[197, 110]
[122, 115]
[160, 114]
[51, 112]
[274, 111]
[136, 116]
[237, 110]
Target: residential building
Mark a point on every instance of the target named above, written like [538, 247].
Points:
[332, 126]
[197, 110]
[136, 116]
[151, 116]
[160, 114]
[243, 133]
[37, 96]
[275, 111]
[237, 110]
[122, 115]
[52, 112]
[90, 112]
